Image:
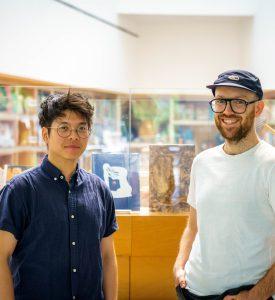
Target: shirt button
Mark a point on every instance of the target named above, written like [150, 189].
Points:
[73, 243]
[55, 178]
[69, 192]
[72, 216]
[74, 297]
[74, 270]
[61, 177]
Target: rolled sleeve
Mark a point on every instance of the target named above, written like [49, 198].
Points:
[12, 212]
[111, 223]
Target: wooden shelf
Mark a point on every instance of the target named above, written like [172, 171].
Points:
[13, 80]
[20, 149]
[5, 116]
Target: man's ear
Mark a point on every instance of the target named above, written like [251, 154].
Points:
[259, 108]
[45, 135]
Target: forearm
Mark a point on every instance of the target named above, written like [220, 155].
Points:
[265, 288]
[186, 243]
[6, 283]
[110, 278]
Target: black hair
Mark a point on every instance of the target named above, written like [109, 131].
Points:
[54, 106]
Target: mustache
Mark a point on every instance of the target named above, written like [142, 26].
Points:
[230, 116]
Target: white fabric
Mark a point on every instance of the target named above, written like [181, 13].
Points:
[234, 196]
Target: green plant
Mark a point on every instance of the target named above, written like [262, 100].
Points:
[144, 109]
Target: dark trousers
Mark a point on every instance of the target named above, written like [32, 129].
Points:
[184, 294]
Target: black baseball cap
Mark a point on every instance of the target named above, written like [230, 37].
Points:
[238, 78]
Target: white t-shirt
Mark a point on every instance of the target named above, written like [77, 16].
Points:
[234, 196]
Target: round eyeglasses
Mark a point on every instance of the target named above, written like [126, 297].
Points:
[238, 106]
[65, 131]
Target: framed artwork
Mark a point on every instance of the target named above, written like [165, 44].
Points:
[169, 177]
[121, 174]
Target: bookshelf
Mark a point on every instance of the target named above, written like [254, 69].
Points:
[268, 117]
[21, 142]
[192, 122]
[165, 117]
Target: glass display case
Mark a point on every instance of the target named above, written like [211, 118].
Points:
[142, 143]
[21, 143]
[168, 128]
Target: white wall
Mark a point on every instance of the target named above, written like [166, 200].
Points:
[189, 7]
[188, 52]
[263, 44]
[45, 40]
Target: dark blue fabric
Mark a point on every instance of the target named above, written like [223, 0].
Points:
[47, 215]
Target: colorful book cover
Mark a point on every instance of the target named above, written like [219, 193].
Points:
[12, 170]
[169, 177]
[4, 101]
[121, 174]
[2, 178]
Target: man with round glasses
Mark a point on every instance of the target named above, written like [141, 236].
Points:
[228, 248]
[56, 220]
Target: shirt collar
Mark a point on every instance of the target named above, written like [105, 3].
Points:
[56, 174]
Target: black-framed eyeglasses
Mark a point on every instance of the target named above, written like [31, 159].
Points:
[238, 106]
[65, 131]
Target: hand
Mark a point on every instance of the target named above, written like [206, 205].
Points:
[179, 274]
[241, 296]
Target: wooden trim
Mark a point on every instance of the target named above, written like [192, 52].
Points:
[6, 79]
[12, 80]
[269, 94]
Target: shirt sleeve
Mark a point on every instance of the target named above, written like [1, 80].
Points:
[272, 188]
[191, 199]
[12, 212]
[111, 223]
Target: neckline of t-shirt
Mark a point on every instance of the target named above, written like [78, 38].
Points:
[241, 155]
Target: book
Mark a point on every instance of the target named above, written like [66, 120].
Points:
[9, 171]
[121, 174]
[13, 170]
[7, 133]
[2, 178]
[169, 177]
[3, 99]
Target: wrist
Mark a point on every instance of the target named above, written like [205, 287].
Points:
[179, 264]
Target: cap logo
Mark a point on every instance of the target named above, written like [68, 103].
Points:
[234, 77]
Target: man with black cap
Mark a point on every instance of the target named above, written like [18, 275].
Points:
[228, 248]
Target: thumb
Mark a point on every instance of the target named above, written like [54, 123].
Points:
[182, 281]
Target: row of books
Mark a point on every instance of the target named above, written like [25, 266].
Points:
[193, 110]
[22, 133]
[18, 100]
[9, 171]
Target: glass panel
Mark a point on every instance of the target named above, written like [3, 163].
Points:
[22, 146]
[146, 140]
[168, 128]
[265, 123]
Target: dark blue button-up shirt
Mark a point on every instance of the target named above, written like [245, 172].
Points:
[58, 227]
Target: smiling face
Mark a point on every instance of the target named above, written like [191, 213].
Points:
[60, 149]
[235, 127]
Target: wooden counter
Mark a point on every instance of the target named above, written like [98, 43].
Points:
[146, 247]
